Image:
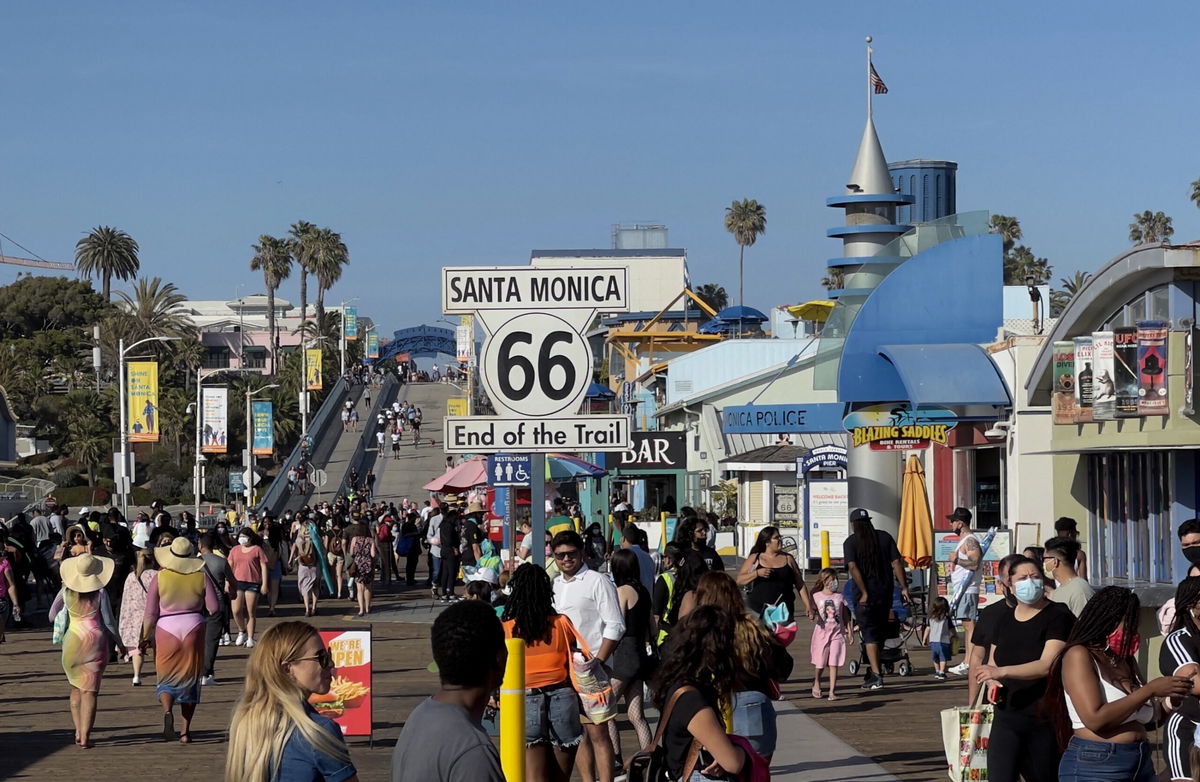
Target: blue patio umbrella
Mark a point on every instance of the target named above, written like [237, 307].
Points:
[598, 391]
[561, 468]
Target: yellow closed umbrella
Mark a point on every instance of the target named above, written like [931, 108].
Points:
[915, 540]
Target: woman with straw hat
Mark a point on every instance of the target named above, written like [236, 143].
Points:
[90, 635]
[174, 614]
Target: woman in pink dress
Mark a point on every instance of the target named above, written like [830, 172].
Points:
[828, 647]
[90, 635]
[133, 607]
[174, 615]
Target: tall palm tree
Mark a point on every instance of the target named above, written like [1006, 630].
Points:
[746, 220]
[301, 248]
[1009, 229]
[1195, 195]
[1021, 264]
[106, 253]
[1068, 287]
[834, 279]
[272, 258]
[1150, 228]
[714, 295]
[329, 256]
[153, 311]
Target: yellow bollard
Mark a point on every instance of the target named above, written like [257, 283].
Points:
[824, 548]
[662, 520]
[512, 713]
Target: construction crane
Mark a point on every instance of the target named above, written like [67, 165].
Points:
[33, 262]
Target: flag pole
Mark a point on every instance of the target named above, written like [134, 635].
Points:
[870, 107]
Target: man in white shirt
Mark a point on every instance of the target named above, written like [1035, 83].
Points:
[589, 600]
[56, 521]
[964, 578]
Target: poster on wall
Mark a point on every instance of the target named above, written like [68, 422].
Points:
[828, 511]
[215, 406]
[1124, 371]
[944, 544]
[785, 503]
[1084, 376]
[141, 383]
[1063, 398]
[1152, 367]
[348, 702]
[1104, 393]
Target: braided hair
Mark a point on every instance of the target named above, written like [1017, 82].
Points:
[1107, 610]
[1187, 595]
[868, 548]
[688, 569]
[530, 604]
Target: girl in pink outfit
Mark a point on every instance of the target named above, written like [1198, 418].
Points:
[828, 646]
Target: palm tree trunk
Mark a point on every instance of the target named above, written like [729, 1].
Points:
[320, 309]
[107, 286]
[303, 299]
[271, 327]
[741, 275]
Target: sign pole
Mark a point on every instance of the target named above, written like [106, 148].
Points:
[537, 507]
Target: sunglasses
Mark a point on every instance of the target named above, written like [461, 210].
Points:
[572, 554]
[324, 658]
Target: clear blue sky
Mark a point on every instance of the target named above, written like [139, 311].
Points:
[432, 134]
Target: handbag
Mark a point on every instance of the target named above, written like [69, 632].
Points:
[61, 622]
[779, 621]
[650, 764]
[591, 682]
[965, 734]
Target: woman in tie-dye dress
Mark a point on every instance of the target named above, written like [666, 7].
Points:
[175, 615]
[90, 635]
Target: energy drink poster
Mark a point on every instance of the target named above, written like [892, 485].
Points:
[1152, 367]
[215, 407]
[264, 428]
[312, 380]
[1104, 389]
[1125, 361]
[1063, 401]
[1084, 375]
[141, 378]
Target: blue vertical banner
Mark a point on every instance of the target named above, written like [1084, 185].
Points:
[264, 428]
[351, 321]
[372, 345]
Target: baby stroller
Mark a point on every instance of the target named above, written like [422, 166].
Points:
[903, 623]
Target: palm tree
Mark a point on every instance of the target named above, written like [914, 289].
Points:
[272, 258]
[834, 279]
[106, 253]
[173, 422]
[300, 246]
[1195, 196]
[1021, 264]
[1009, 229]
[746, 220]
[153, 311]
[714, 295]
[1150, 228]
[1059, 299]
[329, 256]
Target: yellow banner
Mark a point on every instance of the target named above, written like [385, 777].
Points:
[456, 405]
[142, 392]
[313, 380]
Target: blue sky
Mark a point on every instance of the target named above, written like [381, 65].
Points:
[434, 134]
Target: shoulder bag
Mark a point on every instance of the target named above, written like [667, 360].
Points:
[650, 765]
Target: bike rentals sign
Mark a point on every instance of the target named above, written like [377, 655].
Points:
[897, 427]
[536, 362]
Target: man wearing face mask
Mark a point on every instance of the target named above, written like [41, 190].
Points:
[964, 565]
[1189, 541]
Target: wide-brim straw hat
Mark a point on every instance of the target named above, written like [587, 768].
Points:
[180, 556]
[475, 507]
[86, 573]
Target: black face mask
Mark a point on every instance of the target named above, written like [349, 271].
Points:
[1193, 554]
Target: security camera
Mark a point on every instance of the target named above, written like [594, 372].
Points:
[998, 431]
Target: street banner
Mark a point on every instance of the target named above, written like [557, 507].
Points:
[142, 394]
[372, 345]
[351, 321]
[313, 379]
[1152, 367]
[1104, 394]
[215, 407]
[349, 701]
[1083, 379]
[1125, 371]
[1063, 399]
[264, 427]
[464, 338]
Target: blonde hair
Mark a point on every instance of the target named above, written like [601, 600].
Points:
[271, 709]
[750, 638]
[824, 575]
[145, 561]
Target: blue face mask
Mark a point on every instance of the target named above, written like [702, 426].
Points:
[1028, 591]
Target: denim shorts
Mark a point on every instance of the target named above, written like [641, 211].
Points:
[968, 608]
[552, 717]
[754, 719]
[249, 586]
[941, 651]
[1104, 761]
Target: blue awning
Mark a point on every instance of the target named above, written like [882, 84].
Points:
[946, 375]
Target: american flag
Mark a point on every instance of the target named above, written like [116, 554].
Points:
[877, 83]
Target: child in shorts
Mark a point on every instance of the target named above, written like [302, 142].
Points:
[937, 635]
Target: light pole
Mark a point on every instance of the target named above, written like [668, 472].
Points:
[126, 479]
[198, 469]
[249, 487]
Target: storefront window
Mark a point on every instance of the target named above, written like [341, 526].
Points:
[1129, 517]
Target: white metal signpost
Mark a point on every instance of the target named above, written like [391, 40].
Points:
[536, 363]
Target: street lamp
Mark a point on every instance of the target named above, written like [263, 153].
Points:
[342, 329]
[249, 487]
[198, 469]
[125, 478]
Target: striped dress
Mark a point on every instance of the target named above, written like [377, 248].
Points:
[174, 607]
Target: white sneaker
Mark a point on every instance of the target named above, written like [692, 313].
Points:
[960, 669]
[241, 639]
[207, 680]
[136, 681]
[249, 643]
[224, 640]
